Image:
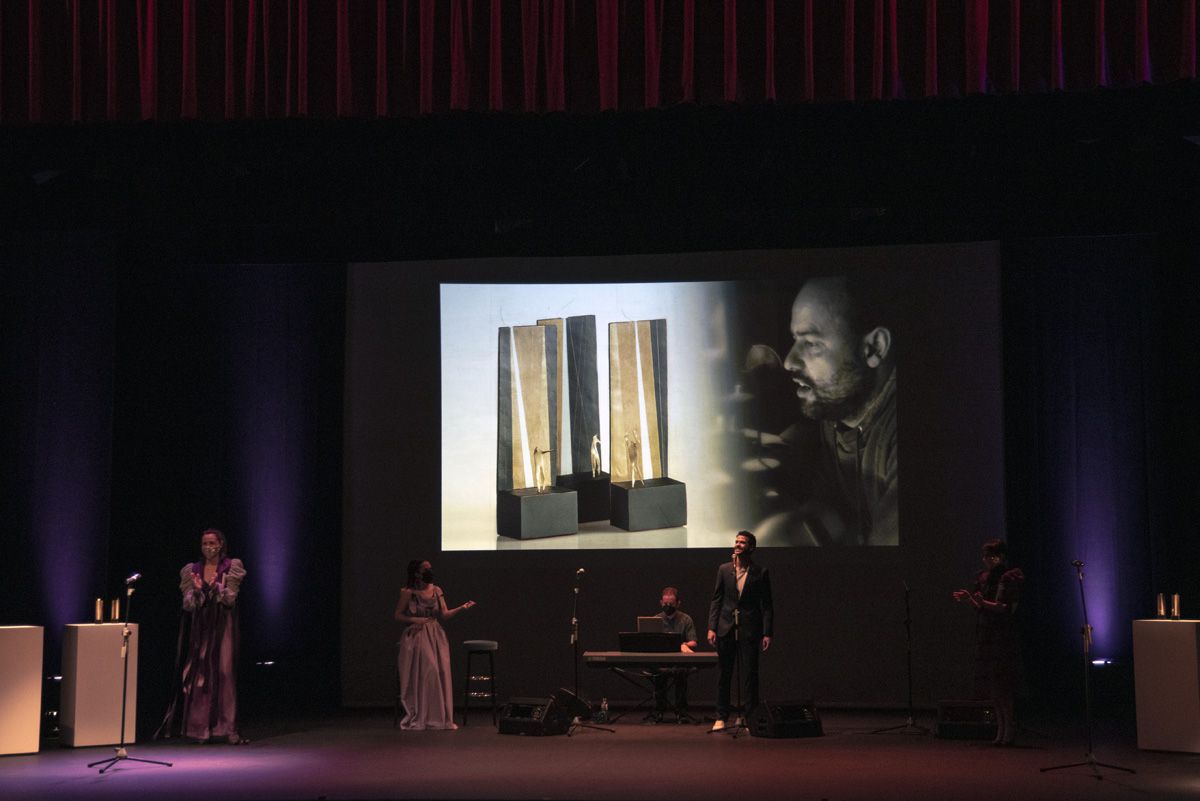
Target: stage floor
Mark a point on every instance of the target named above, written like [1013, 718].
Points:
[359, 755]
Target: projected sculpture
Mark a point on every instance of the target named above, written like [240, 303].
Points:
[581, 386]
[633, 457]
[540, 470]
[643, 495]
[528, 505]
[555, 324]
[595, 454]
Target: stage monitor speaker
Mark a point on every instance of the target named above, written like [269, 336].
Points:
[965, 720]
[534, 717]
[785, 719]
[573, 705]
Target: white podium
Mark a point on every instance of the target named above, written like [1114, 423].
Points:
[1166, 679]
[20, 689]
[91, 685]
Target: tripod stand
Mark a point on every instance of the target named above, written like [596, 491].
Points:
[1089, 759]
[583, 706]
[122, 755]
[910, 726]
[739, 727]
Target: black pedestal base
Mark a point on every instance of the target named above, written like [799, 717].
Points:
[527, 514]
[658, 503]
[593, 494]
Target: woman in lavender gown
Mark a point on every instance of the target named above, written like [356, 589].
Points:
[204, 705]
[424, 653]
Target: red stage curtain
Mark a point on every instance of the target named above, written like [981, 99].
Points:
[553, 18]
[653, 42]
[688, 67]
[730, 92]
[607, 44]
[1187, 40]
[83, 61]
[809, 79]
[848, 49]
[931, 62]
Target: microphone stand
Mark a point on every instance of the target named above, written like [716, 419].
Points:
[1089, 759]
[577, 722]
[910, 726]
[122, 755]
[575, 632]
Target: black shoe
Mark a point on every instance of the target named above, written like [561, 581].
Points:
[684, 719]
[653, 719]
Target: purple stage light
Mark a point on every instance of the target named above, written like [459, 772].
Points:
[273, 344]
[72, 440]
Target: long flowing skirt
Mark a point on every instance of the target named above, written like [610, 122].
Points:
[204, 701]
[425, 683]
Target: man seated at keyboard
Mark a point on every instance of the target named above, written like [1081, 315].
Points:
[675, 622]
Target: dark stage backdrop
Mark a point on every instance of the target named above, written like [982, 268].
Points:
[57, 299]
[227, 413]
[1100, 397]
[145, 402]
[840, 612]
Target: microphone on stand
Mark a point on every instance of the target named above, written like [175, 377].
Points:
[133, 578]
[580, 572]
[1076, 563]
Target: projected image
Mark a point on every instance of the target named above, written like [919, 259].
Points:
[769, 406]
[817, 421]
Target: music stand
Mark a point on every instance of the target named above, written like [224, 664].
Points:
[1089, 759]
[909, 726]
[122, 754]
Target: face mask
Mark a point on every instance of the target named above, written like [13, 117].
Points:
[427, 576]
[668, 609]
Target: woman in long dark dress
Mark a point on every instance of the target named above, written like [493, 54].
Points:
[204, 706]
[998, 669]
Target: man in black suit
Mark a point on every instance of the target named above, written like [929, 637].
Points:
[740, 620]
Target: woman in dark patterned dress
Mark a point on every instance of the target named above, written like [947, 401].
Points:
[204, 705]
[998, 670]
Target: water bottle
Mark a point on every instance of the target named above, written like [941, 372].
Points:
[602, 715]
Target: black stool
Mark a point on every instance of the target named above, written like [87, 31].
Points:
[481, 648]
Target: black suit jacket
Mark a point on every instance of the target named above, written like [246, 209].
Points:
[755, 610]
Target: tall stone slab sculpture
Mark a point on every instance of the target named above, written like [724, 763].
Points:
[581, 386]
[643, 495]
[528, 502]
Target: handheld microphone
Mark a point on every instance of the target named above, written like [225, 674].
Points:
[1076, 563]
[133, 578]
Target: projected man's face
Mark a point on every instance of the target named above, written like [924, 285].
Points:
[827, 361]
